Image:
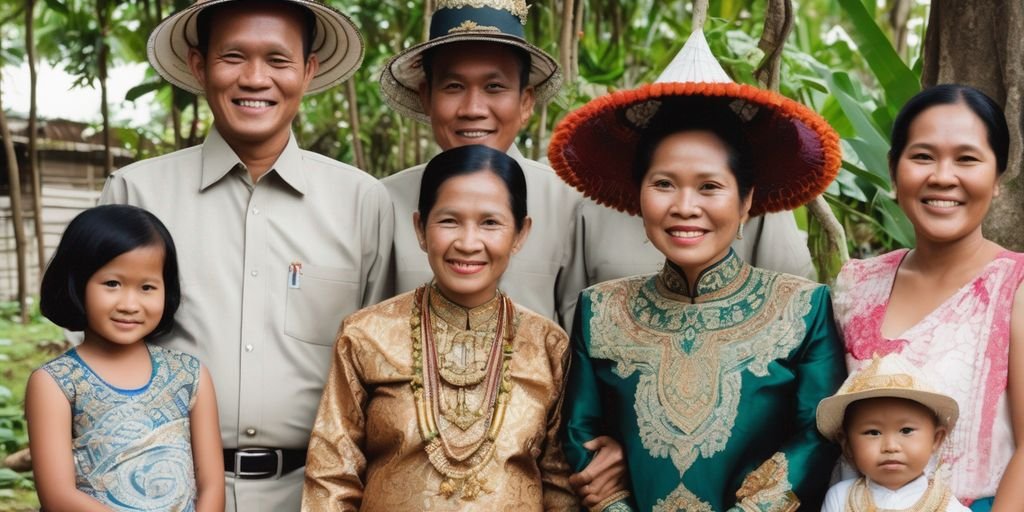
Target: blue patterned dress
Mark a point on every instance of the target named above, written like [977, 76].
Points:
[132, 447]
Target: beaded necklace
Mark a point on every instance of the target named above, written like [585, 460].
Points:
[461, 473]
[935, 498]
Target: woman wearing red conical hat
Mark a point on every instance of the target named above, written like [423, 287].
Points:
[708, 372]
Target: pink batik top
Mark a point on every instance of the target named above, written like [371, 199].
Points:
[962, 347]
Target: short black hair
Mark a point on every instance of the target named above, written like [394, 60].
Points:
[471, 159]
[92, 239]
[987, 110]
[686, 114]
[205, 19]
[523, 56]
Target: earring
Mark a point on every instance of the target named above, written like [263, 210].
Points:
[739, 233]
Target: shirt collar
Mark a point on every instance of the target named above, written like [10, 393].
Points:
[915, 487]
[458, 316]
[219, 159]
[513, 151]
[713, 282]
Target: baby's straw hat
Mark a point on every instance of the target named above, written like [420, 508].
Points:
[885, 377]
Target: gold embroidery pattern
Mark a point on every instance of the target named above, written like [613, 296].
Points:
[472, 26]
[767, 488]
[691, 356]
[682, 499]
[518, 8]
[935, 498]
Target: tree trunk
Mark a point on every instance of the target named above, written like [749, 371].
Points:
[981, 45]
[577, 33]
[33, 154]
[14, 181]
[778, 23]
[899, 16]
[103, 55]
[565, 39]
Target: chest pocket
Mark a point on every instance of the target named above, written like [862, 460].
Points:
[324, 297]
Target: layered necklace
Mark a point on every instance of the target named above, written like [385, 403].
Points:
[461, 451]
[934, 499]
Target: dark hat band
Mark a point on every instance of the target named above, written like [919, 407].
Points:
[448, 21]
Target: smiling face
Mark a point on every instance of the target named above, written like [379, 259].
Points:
[469, 236]
[946, 176]
[890, 440]
[690, 201]
[124, 299]
[475, 97]
[254, 73]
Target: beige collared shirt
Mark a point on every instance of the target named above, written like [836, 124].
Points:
[268, 271]
[542, 276]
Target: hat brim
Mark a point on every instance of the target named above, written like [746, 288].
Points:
[402, 76]
[338, 46]
[796, 154]
[832, 410]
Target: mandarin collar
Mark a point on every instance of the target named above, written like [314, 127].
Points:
[459, 316]
[219, 160]
[712, 282]
[915, 487]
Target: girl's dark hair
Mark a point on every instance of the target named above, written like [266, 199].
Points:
[948, 94]
[92, 239]
[471, 159]
[677, 115]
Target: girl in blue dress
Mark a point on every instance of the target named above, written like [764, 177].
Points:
[117, 423]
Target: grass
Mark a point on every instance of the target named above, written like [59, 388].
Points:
[22, 349]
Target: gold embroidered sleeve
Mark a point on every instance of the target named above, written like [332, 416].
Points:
[767, 488]
[554, 469]
[335, 464]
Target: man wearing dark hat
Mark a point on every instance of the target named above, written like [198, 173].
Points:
[276, 244]
[476, 81]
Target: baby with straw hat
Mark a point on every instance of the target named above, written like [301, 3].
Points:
[889, 422]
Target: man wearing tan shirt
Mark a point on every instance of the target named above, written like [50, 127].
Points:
[276, 245]
[476, 81]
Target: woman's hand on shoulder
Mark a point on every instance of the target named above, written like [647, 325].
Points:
[605, 475]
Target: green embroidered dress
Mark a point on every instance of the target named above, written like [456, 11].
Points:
[712, 394]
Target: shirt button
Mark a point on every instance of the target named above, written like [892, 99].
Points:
[248, 348]
[255, 211]
[250, 432]
[254, 273]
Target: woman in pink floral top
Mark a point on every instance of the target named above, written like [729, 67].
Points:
[953, 305]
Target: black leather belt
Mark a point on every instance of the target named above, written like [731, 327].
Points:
[257, 463]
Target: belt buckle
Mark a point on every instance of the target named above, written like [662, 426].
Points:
[257, 452]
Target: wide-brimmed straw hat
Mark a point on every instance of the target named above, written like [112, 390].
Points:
[884, 377]
[453, 21]
[795, 153]
[337, 44]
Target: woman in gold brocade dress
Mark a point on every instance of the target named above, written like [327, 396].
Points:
[448, 397]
